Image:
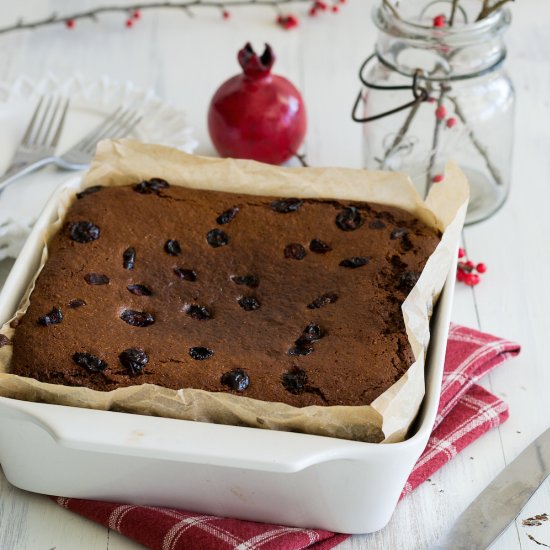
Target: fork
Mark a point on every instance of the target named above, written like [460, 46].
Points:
[41, 137]
[78, 157]
[118, 124]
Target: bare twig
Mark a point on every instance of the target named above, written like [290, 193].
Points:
[484, 5]
[454, 6]
[531, 537]
[401, 133]
[487, 8]
[435, 142]
[185, 6]
[475, 141]
[302, 159]
[391, 7]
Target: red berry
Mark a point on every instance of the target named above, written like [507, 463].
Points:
[440, 112]
[439, 21]
[460, 275]
[288, 21]
[313, 11]
[129, 23]
[451, 122]
[136, 14]
[475, 278]
[335, 9]
[226, 14]
[438, 178]
[342, 1]
[321, 5]
[292, 21]
[70, 23]
[481, 268]
[470, 265]
[461, 252]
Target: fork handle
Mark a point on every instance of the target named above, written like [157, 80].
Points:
[18, 171]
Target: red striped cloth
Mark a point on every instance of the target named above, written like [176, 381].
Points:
[466, 411]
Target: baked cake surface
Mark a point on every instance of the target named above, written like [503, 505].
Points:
[287, 300]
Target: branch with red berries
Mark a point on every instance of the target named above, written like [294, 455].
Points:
[442, 120]
[487, 8]
[468, 272]
[131, 14]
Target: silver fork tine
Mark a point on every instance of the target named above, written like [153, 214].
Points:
[98, 131]
[26, 138]
[36, 140]
[114, 123]
[37, 147]
[129, 126]
[118, 124]
[49, 124]
[118, 129]
[57, 135]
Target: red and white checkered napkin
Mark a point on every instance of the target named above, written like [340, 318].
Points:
[466, 411]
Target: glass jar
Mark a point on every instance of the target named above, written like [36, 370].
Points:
[438, 92]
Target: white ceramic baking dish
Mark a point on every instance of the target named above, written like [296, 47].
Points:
[277, 477]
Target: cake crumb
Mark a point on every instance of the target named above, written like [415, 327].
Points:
[531, 537]
[4, 341]
[535, 521]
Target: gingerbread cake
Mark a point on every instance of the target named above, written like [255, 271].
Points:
[278, 299]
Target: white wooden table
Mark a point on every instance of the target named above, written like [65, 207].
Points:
[185, 60]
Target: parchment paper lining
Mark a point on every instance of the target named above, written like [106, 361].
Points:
[386, 419]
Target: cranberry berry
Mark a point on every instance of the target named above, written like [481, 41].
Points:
[89, 362]
[217, 238]
[137, 318]
[54, 317]
[172, 247]
[227, 216]
[349, 219]
[319, 247]
[83, 232]
[96, 279]
[295, 251]
[236, 379]
[284, 206]
[133, 359]
[246, 280]
[295, 380]
[200, 353]
[324, 300]
[129, 258]
[139, 290]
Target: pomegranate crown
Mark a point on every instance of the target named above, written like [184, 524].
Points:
[254, 65]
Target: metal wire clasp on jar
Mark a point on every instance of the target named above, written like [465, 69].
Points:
[438, 93]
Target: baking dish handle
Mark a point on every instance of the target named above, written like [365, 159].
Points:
[179, 440]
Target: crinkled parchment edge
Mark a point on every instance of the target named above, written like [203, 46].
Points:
[388, 417]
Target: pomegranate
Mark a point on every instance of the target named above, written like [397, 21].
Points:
[257, 115]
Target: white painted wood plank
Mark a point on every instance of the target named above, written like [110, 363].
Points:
[332, 54]
[29, 521]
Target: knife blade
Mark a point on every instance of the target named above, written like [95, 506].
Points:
[501, 501]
